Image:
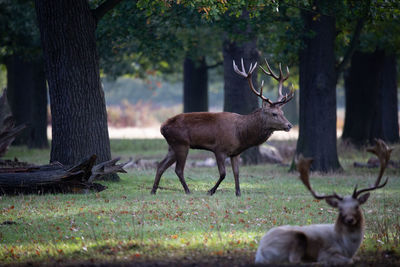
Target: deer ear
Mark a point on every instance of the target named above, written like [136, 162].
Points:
[363, 198]
[333, 202]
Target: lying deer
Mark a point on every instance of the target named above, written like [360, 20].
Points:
[329, 243]
[224, 133]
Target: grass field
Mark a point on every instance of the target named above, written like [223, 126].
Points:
[125, 224]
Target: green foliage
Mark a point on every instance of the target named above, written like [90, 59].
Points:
[383, 27]
[133, 39]
[126, 224]
[18, 29]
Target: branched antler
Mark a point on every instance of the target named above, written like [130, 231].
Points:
[382, 151]
[283, 99]
[248, 76]
[303, 167]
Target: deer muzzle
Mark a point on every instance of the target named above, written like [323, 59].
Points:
[288, 127]
[349, 220]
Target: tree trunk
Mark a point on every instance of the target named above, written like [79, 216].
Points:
[195, 85]
[385, 124]
[27, 94]
[79, 118]
[317, 133]
[361, 95]
[371, 100]
[238, 97]
[39, 112]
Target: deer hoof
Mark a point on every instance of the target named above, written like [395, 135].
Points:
[238, 194]
[187, 192]
[153, 192]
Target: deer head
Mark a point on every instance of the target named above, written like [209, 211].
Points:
[349, 206]
[271, 110]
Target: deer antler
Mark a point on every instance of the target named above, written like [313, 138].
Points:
[303, 167]
[248, 76]
[283, 99]
[382, 151]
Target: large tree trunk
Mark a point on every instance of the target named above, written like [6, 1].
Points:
[195, 85]
[27, 94]
[238, 97]
[371, 100]
[386, 120]
[317, 133]
[39, 112]
[361, 95]
[79, 118]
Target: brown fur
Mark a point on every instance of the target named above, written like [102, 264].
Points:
[224, 133]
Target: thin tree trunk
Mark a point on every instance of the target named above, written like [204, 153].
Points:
[79, 118]
[317, 133]
[195, 85]
[238, 97]
[27, 94]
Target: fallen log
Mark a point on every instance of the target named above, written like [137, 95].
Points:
[56, 178]
[374, 163]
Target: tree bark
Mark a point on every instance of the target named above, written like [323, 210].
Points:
[238, 97]
[371, 100]
[55, 178]
[39, 112]
[79, 118]
[386, 120]
[317, 132]
[27, 95]
[195, 85]
[361, 94]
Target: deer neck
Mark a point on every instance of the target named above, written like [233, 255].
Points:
[349, 236]
[253, 130]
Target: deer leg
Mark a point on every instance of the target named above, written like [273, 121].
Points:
[181, 154]
[334, 258]
[235, 169]
[221, 168]
[162, 166]
[298, 247]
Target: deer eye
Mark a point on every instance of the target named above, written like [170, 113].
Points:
[275, 114]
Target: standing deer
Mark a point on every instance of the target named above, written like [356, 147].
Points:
[329, 243]
[224, 133]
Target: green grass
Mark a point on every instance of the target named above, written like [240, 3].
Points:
[125, 223]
